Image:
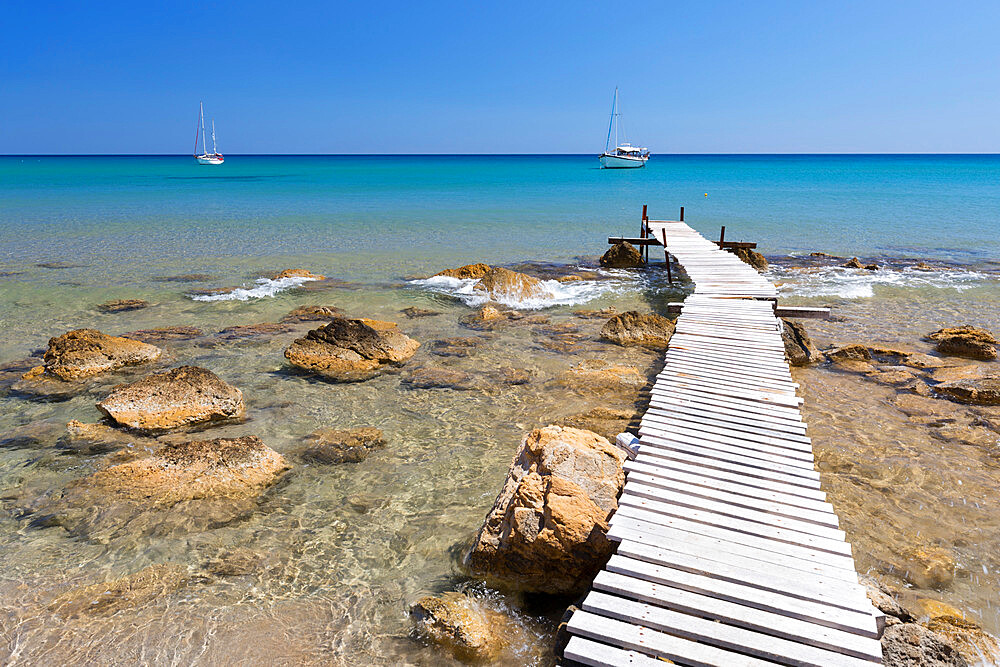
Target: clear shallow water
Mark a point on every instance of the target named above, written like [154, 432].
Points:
[347, 548]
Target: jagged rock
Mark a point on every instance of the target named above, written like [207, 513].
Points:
[547, 530]
[975, 391]
[820, 254]
[514, 376]
[966, 341]
[438, 378]
[347, 350]
[414, 312]
[467, 272]
[122, 305]
[635, 328]
[462, 625]
[928, 567]
[913, 645]
[854, 263]
[798, 345]
[598, 376]
[128, 592]
[329, 445]
[622, 255]
[298, 273]
[487, 318]
[243, 331]
[606, 422]
[179, 397]
[920, 360]
[569, 279]
[950, 373]
[506, 285]
[165, 333]
[101, 437]
[460, 346]
[884, 599]
[854, 351]
[604, 313]
[751, 257]
[86, 352]
[976, 645]
[923, 266]
[930, 609]
[312, 314]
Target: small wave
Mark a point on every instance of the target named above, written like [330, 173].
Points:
[835, 281]
[556, 293]
[265, 287]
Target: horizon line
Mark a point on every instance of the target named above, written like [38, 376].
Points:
[179, 155]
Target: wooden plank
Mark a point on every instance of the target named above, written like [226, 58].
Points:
[662, 453]
[769, 396]
[725, 410]
[801, 451]
[596, 654]
[803, 312]
[808, 585]
[669, 393]
[720, 418]
[738, 615]
[665, 439]
[778, 369]
[651, 642]
[738, 429]
[765, 646]
[856, 621]
[722, 379]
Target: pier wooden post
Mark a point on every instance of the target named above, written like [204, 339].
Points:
[722, 236]
[682, 214]
[644, 234]
[666, 257]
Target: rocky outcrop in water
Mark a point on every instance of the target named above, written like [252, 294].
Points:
[622, 255]
[965, 341]
[465, 627]
[606, 422]
[122, 305]
[165, 334]
[458, 346]
[180, 397]
[347, 350]
[429, 377]
[331, 446]
[298, 273]
[929, 567]
[799, 348]
[751, 257]
[467, 272]
[854, 263]
[312, 314]
[975, 391]
[635, 328]
[547, 530]
[913, 645]
[414, 312]
[599, 376]
[502, 284]
[87, 352]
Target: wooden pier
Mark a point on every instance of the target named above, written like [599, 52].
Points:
[727, 552]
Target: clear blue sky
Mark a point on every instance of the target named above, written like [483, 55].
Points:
[504, 77]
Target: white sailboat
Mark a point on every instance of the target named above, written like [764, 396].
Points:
[215, 157]
[624, 155]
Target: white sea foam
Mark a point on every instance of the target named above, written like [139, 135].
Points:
[265, 287]
[835, 281]
[556, 293]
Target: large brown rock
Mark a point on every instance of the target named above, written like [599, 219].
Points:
[179, 397]
[312, 314]
[606, 422]
[929, 567]
[751, 257]
[347, 350]
[976, 645]
[236, 469]
[966, 341]
[798, 345]
[464, 626]
[469, 271]
[635, 328]
[976, 391]
[597, 376]
[547, 530]
[122, 305]
[622, 255]
[502, 284]
[298, 273]
[913, 645]
[851, 352]
[86, 352]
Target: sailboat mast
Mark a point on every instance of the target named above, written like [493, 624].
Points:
[201, 107]
[611, 121]
[618, 121]
[197, 129]
[215, 149]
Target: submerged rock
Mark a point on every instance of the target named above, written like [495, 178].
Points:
[853, 352]
[330, 445]
[514, 376]
[975, 391]
[467, 272]
[884, 599]
[459, 346]
[547, 530]
[503, 284]
[179, 397]
[312, 314]
[601, 314]
[86, 352]
[966, 341]
[976, 645]
[622, 255]
[598, 376]
[799, 348]
[262, 330]
[635, 328]
[413, 312]
[347, 350]
[128, 592]
[751, 257]
[487, 318]
[298, 273]
[185, 278]
[913, 645]
[462, 625]
[91, 438]
[606, 422]
[929, 567]
[854, 263]
[235, 562]
[122, 305]
[438, 378]
[165, 333]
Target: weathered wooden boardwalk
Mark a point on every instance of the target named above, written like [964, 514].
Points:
[728, 553]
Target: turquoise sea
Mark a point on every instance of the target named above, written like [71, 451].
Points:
[328, 562]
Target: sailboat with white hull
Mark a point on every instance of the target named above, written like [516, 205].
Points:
[215, 157]
[624, 155]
